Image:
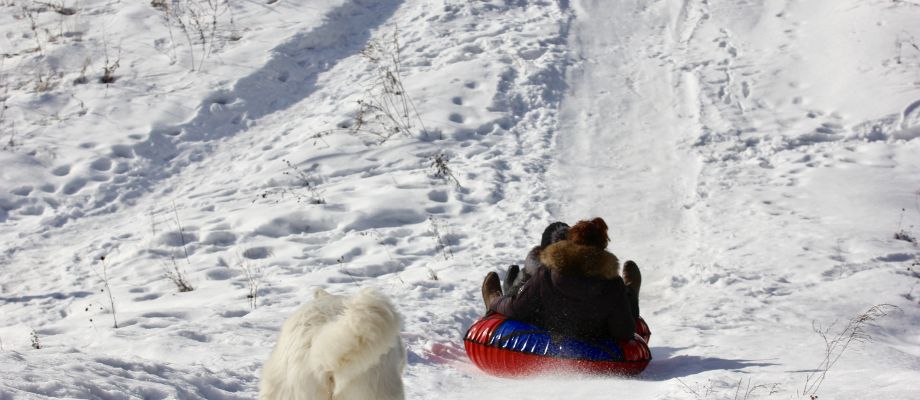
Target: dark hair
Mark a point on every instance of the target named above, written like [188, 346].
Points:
[556, 231]
[590, 233]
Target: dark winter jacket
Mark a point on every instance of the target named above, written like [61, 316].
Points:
[578, 292]
[553, 233]
[531, 263]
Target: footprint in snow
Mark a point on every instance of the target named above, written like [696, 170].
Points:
[219, 274]
[122, 151]
[439, 196]
[101, 164]
[74, 186]
[234, 313]
[62, 170]
[198, 337]
[22, 190]
[147, 297]
[176, 315]
[220, 238]
[178, 238]
[257, 253]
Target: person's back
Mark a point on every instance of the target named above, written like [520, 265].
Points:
[580, 299]
[578, 291]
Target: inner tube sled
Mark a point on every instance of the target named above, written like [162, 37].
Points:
[510, 348]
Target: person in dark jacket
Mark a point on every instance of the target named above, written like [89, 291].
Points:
[578, 291]
[516, 277]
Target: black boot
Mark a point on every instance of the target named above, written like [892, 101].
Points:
[633, 279]
[513, 272]
[491, 289]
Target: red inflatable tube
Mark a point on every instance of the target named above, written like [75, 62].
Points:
[509, 348]
[643, 330]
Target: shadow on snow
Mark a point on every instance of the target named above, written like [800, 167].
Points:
[664, 366]
[286, 79]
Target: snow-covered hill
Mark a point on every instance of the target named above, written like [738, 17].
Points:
[758, 159]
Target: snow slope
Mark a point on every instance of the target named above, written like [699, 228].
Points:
[756, 158]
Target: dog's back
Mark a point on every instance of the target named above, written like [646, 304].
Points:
[337, 348]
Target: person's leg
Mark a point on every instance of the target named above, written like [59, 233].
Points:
[491, 288]
[633, 279]
[511, 278]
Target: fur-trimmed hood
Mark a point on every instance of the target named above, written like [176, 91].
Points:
[577, 292]
[569, 258]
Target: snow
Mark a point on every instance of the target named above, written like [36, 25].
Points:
[755, 157]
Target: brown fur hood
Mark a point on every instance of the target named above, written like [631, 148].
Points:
[568, 258]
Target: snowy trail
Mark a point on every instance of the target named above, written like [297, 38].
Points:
[650, 81]
[622, 150]
[623, 153]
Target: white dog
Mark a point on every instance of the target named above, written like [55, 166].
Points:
[338, 348]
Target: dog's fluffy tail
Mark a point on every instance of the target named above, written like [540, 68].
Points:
[354, 342]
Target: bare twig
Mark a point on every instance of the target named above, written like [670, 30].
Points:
[834, 346]
[33, 26]
[253, 282]
[104, 276]
[442, 245]
[4, 95]
[696, 394]
[36, 344]
[108, 70]
[44, 80]
[302, 182]
[176, 276]
[905, 38]
[59, 8]
[901, 234]
[199, 21]
[385, 110]
[344, 268]
[82, 78]
[181, 232]
[441, 170]
[173, 271]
